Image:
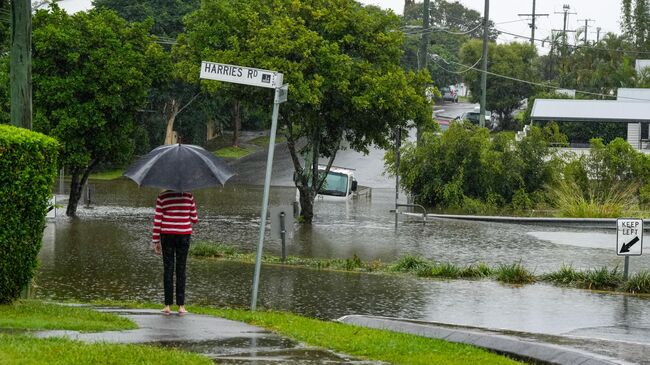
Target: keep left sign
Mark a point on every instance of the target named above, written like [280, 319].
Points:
[629, 237]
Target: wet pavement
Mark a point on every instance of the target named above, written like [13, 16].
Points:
[222, 340]
[522, 346]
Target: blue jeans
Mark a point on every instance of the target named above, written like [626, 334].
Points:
[174, 248]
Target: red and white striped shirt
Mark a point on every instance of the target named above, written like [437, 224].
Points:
[175, 214]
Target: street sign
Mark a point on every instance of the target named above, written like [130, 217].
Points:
[629, 237]
[241, 75]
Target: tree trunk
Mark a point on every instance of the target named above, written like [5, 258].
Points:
[75, 194]
[236, 122]
[171, 118]
[20, 73]
[306, 204]
[76, 187]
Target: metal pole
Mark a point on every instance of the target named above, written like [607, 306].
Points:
[283, 236]
[486, 18]
[398, 144]
[265, 199]
[532, 31]
[626, 267]
[61, 185]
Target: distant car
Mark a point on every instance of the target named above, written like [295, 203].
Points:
[449, 94]
[474, 117]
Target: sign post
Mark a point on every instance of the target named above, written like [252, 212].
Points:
[261, 78]
[629, 240]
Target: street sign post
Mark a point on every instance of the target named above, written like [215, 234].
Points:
[241, 75]
[629, 240]
[261, 78]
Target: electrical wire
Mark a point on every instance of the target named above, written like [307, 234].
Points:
[469, 68]
[438, 29]
[538, 83]
[574, 46]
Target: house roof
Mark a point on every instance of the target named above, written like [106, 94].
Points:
[590, 110]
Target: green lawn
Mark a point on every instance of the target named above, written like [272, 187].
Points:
[392, 347]
[233, 152]
[25, 350]
[360, 342]
[32, 314]
[107, 175]
[263, 141]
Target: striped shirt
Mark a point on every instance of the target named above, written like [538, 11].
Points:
[175, 214]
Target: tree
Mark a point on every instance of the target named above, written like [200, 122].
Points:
[91, 74]
[452, 25]
[340, 60]
[514, 60]
[635, 22]
[167, 15]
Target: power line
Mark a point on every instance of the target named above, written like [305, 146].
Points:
[577, 45]
[550, 86]
[437, 29]
[469, 68]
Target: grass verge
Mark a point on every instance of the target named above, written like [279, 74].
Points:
[33, 314]
[25, 350]
[37, 315]
[392, 347]
[263, 141]
[233, 152]
[107, 175]
[595, 279]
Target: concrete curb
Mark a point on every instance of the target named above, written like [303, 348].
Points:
[517, 348]
[599, 223]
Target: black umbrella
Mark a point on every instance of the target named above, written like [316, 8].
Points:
[179, 167]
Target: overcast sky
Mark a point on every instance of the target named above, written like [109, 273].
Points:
[605, 13]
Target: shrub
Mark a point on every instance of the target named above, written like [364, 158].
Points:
[28, 164]
[602, 279]
[480, 270]
[567, 275]
[410, 263]
[514, 274]
[638, 283]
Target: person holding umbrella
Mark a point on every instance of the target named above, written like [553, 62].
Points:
[179, 169]
[172, 231]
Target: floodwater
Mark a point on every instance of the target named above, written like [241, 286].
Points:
[105, 254]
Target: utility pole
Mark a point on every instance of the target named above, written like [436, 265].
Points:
[486, 29]
[20, 73]
[586, 26]
[424, 50]
[532, 24]
[598, 29]
[424, 42]
[566, 13]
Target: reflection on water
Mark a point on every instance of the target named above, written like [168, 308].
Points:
[105, 254]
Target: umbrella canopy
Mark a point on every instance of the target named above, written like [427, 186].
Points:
[179, 167]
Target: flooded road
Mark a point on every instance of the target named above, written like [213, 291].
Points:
[105, 254]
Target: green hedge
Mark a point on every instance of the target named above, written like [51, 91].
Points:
[28, 163]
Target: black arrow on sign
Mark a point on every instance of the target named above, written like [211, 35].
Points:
[626, 247]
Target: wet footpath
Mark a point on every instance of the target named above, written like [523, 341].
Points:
[222, 340]
[231, 342]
